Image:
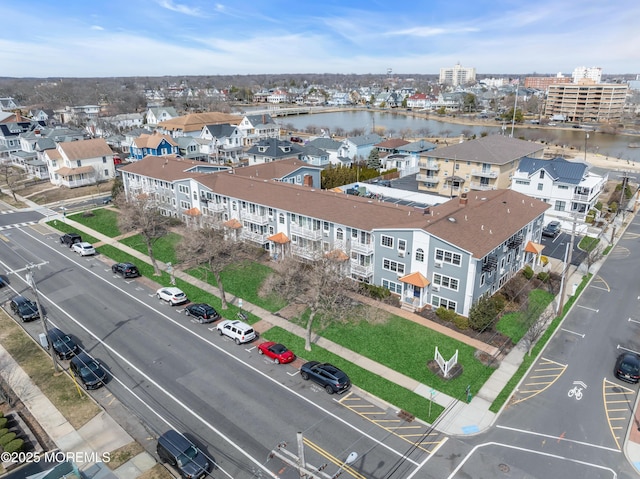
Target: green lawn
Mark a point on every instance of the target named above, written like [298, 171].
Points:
[376, 385]
[513, 325]
[103, 221]
[66, 228]
[163, 248]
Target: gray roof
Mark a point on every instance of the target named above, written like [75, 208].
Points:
[264, 119]
[169, 109]
[275, 148]
[561, 170]
[492, 149]
[45, 144]
[417, 147]
[311, 150]
[223, 130]
[325, 143]
[370, 139]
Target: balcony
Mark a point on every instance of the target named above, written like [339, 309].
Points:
[481, 186]
[428, 165]
[364, 271]
[362, 248]
[314, 235]
[484, 173]
[305, 252]
[259, 238]
[581, 198]
[491, 264]
[256, 218]
[216, 207]
[427, 178]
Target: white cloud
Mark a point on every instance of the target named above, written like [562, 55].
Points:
[179, 8]
[96, 27]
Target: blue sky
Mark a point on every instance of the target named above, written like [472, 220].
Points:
[71, 38]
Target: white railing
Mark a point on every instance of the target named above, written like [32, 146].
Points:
[484, 173]
[427, 165]
[361, 270]
[256, 218]
[428, 179]
[259, 238]
[314, 235]
[304, 252]
[481, 186]
[363, 248]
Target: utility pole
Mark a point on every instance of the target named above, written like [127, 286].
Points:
[31, 281]
[566, 267]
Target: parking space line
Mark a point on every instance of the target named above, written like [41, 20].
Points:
[535, 383]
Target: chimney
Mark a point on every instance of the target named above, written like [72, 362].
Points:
[426, 211]
[463, 199]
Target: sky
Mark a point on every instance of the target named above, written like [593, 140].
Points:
[107, 38]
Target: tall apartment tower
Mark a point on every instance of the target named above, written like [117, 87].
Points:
[457, 75]
[591, 73]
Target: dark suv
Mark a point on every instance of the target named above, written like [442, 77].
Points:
[203, 312]
[332, 379]
[26, 309]
[87, 370]
[127, 270]
[62, 344]
[70, 239]
[177, 450]
[552, 229]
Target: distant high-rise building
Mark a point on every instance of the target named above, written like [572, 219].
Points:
[586, 101]
[542, 83]
[584, 73]
[457, 75]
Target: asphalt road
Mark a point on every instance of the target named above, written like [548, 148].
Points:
[570, 415]
[174, 373]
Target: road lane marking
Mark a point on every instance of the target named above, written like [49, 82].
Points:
[327, 455]
[573, 332]
[590, 309]
[539, 434]
[532, 386]
[627, 349]
[616, 413]
[211, 344]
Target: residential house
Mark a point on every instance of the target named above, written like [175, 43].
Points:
[191, 148]
[449, 255]
[225, 142]
[358, 147]
[125, 121]
[154, 116]
[8, 104]
[278, 96]
[419, 101]
[332, 148]
[10, 134]
[80, 163]
[272, 149]
[291, 171]
[131, 136]
[339, 99]
[192, 124]
[476, 165]
[41, 115]
[154, 144]
[569, 187]
[257, 127]
[314, 156]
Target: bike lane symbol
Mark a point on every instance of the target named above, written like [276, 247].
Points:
[576, 392]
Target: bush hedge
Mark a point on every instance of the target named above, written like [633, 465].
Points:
[7, 438]
[14, 446]
[3, 422]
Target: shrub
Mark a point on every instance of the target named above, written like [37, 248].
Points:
[7, 438]
[3, 422]
[527, 272]
[446, 314]
[375, 292]
[3, 431]
[14, 446]
[461, 322]
[482, 314]
[543, 276]
[598, 206]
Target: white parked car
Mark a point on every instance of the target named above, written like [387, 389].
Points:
[239, 331]
[172, 295]
[83, 248]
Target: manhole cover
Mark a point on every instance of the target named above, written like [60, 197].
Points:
[503, 468]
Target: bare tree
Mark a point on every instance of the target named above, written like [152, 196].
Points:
[13, 177]
[208, 249]
[320, 285]
[593, 255]
[537, 326]
[140, 213]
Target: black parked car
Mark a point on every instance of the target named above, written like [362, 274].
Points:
[332, 379]
[182, 454]
[552, 229]
[127, 270]
[628, 367]
[87, 370]
[70, 239]
[62, 344]
[203, 312]
[24, 308]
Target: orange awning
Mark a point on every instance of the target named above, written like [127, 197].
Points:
[337, 255]
[192, 212]
[534, 248]
[233, 223]
[416, 279]
[280, 238]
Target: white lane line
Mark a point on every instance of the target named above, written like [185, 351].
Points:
[573, 332]
[213, 345]
[546, 454]
[522, 431]
[590, 309]
[627, 349]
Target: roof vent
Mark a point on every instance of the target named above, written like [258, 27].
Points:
[453, 220]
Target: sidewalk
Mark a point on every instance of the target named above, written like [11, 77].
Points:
[462, 418]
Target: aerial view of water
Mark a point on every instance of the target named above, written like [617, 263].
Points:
[613, 146]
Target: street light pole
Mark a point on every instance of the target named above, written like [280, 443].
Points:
[351, 458]
[586, 137]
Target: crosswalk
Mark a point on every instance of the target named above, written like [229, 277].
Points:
[17, 225]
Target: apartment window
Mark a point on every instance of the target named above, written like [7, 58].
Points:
[392, 286]
[560, 205]
[448, 257]
[270, 212]
[106, 173]
[183, 189]
[325, 225]
[482, 279]
[402, 245]
[104, 159]
[437, 301]
[78, 163]
[420, 255]
[542, 174]
[523, 182]
[445, 281]
[394, 266]
[339, 234]
[540, 186]
[281, 218]
[386, 241]
[185, 205]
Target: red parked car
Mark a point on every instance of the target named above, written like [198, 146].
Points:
[276, 351]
